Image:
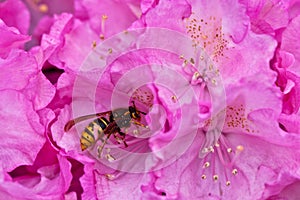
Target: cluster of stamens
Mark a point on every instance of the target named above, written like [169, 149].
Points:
[208, 34]
[102, 37]
[223, 155]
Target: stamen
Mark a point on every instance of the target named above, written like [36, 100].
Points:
[43, 8]
[234, 171]
[206, 164]
[203, 177]
[229, 150]
[109, 176]
[102, 36]
[110, 158]
[104, 18]
[227, 183]
[94, 44]
[174, 99]
[215, 177]
[211, 149]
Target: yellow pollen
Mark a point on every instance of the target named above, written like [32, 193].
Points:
[43, 8]
[215, 177]
[203, 177]
[234, 171]
[227, 183]
[229, 150]
[135, 132]
[213, 81]
[174, 99]
[196, 75]
[104, 17]
[110, 158]
[109, 176]
[206, 164]
[110, 50]
[211, 149]
[240, 148]
[94, 44]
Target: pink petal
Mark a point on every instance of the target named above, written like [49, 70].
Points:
[26, 137]
[40, 91]
[15, 14]
[120, 15]
[23, 67]
[10, 39]
[289, 36]
[290, 122]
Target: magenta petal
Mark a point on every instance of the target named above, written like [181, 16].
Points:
[17, 70]
[289, 36]
[14, 13]
[290, 122]
[120, 15]
[88, 182]
[10, 39]
[53, 41]
[22, 131]
[40, 91]
[50, 182]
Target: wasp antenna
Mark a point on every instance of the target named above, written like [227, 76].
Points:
[69, 125]
[143, 113]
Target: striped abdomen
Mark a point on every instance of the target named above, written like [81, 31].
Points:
[92, 132]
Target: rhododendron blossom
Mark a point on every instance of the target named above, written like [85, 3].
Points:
[142, 99]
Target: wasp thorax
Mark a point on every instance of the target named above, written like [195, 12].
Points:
[219, 161]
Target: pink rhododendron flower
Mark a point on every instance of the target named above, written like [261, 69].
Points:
[209, 90]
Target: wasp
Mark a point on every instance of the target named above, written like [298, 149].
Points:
[107, 124]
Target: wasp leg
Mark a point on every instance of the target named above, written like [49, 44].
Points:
[100, 148]
[139, 124]
[123, 138]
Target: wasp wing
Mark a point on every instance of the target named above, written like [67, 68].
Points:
[74, 121]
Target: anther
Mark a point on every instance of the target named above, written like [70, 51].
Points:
[110, 158]
[94, 44]
[203, 177]
[101, 36]
[234, 171]
[215, 177]
[196, 75]
[206, 164]
[104, 17]
[229, 150]
[109, 176]
[43, 8]
[239, 148]
[211, 149]
[227, 183]
[110, 50]
[174, 99]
